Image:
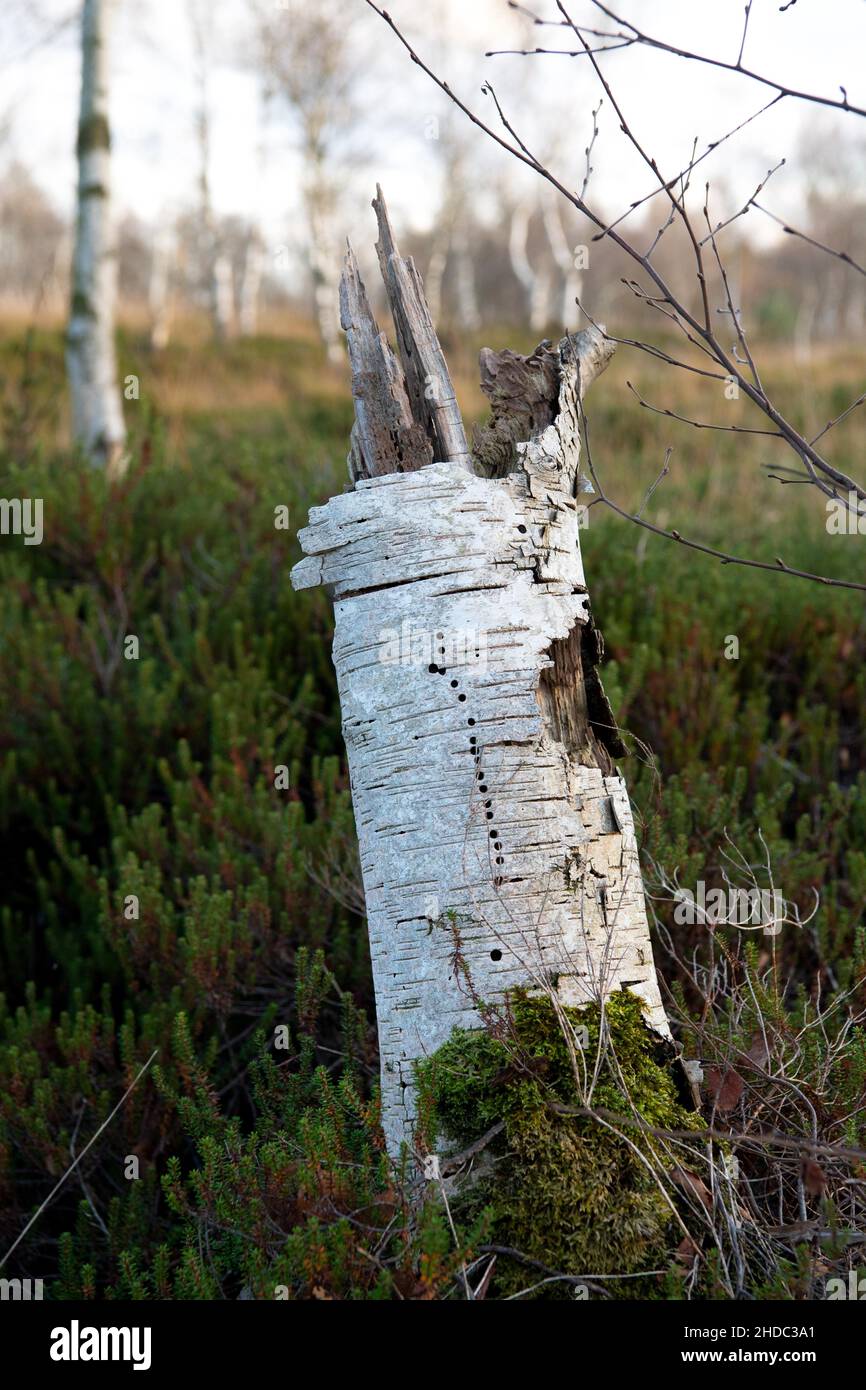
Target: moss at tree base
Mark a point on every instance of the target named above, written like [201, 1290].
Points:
[569, 1191]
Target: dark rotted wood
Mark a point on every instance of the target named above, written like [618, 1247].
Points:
[573, 702]
[524, 398]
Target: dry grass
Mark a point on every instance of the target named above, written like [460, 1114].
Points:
[716, 490]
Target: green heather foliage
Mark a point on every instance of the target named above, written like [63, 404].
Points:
[261, 1168]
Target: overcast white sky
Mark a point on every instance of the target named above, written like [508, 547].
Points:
[815, 44]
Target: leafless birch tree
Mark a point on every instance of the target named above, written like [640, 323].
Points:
[217, 270]
[97, 412]
[452, 234]
[309, 59]
[159, 288]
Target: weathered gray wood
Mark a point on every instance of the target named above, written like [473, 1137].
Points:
[490, 814]
[385, 438]
[428, 381]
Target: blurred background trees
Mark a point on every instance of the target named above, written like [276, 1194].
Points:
[252, 213]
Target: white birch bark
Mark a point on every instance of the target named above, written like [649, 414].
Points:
[251, 283]
[564, 256]
[536, 284]
[324, 261]
[159, 284]
[468, 308]
[97, 411]
[217, 270]
[222, 296]
[496, 837]
[454, 242]
[254, 250]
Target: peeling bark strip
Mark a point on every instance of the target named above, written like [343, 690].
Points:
[97, 413]
[480, 743]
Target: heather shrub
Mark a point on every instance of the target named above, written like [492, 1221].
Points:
[181, 870]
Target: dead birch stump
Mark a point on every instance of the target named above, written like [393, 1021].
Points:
[496, 836]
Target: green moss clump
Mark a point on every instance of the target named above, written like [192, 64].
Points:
[565, 1190]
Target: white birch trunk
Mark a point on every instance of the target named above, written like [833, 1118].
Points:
[496, 837]
[97, 411]
[217, 270]
[468, 310]
[159, 285]
[455, 243]
[254, 250]
[222, 297]
[564, 257]
[251, 283]
[324, 263]
[518, 233]
[536, 285]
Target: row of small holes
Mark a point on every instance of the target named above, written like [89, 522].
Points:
[497, 844]
[435, 669]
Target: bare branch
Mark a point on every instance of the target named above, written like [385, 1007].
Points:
[745, 31]
[745, 208]
[819, 245]
[699, 424]
[780, 567]
[701, 334]
[641, 37]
